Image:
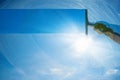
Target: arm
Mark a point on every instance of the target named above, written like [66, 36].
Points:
[114, 36]
[101, 28]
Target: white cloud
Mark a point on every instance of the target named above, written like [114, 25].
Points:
[56, 71]
[65, 72]
[69, 74]
[59, 73]
[111, 71]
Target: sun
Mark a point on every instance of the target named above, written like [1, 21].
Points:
[79, 43]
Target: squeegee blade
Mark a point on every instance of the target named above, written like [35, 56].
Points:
[86, 18]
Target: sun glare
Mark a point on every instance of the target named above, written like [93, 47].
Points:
[81, 43]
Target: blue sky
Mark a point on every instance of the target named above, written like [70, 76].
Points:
[62, 56]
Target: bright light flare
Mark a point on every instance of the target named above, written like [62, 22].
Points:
[79, 43]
